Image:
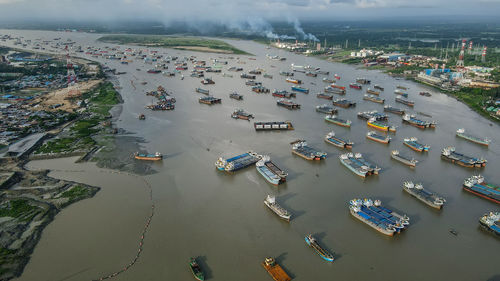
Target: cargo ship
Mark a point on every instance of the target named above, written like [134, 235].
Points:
[355, 86]
[394, 110]
[454, 157]
[311, 74]
[373, 98]
[415, 145]
[328, 80]
[401, 93]
[337, 76]
[207, 81]
[247, 76]
[260, 89]
[286, 73]
[150, 157]
[338, 142]
[300, 148]
[380, 218]
[421, 124]
[405, 101]
[380, 126]
[426, 196]
[271, 126]
[276, 208]
[269, 76]
[238, 162]
[236, 96]
[479, 187]
[252, 83]
[209, 100]
[288, 104]
[283, 94]
[294, 81]
[275, 270]
[482, 141]
[343, 103]
[333, 90]
[241, 114]
[337, 87]
[403, 159]
[362, 81]
[202, 91]
[370, 91]
[323, 253]
[324, 96]
[425, 94]
[402, 87]
[326, 109]
[491, 221]
[367, 115]
[196, 270]
[322, 72]
[270, 171]
[300, 89]
[378, 138]
[227, 75]
[378, 87]
[255, 71]
[337, 121]
[154, 71]
[358, 165]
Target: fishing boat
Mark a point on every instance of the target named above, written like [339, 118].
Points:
[426, 196]
[415, 122]
[241, 114]
[287, 104]
[300, 89]
[362, 81]
[294, 81]
[276, 208]
[338, 142]
[479, 187]
[150, 157]
[209, 100]
[396, 155]
[405, 101]
[394, 110]
[300, 148]
[283, 94]
[323, 253]
[378, 138]
[343, 103]
[401, 93]
[196, 270]
[482, 141]
[370, 91]
[275, 270]
[358, 165]
[367, 115]
[202, 91]
[237, 162]
[378, 87]
[270, 171]
[491, 222]
[415, 145]
[380, 126]
[337, 121]
[373, 98]
[380, 218]
[236, 96]
[324, 96]
[271, 126]
[355, 86]
[324, 108]
[449, 153]
[332, 90]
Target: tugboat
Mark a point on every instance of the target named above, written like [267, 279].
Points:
[337, 121]
[421, 124]
[378, 138]
[300, 148]
[324, 254]
[241, 114]
[381, 219]
[479, 187]
[238, 162]
[358, 165]
[394, 110]
[288, 104]
[373, 98]
[235, 96]
[326, 109]
[415, 145]
[270, 171]
[150, 157]
[276, 208]
[271, 126]
[405, 101]
[403, 159]
[491, 221]
[275, 270]
[454, 157]
[338, 142]
[283, 94]
[300, 89]
[343, 103]
[429, 198]
[196, 270]
[482, 141]
[380, 126]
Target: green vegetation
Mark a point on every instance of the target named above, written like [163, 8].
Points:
[16, 208]
[75, 193]
[208, 45]
[479, 99]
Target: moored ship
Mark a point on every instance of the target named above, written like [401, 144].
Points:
[380, 218]
[209, 100]
[405, 101]
[426, 196]
[332, 90]
[396, 155]
[415, 145]
[294, 81]
[449, 153]
[378, 138]
[491, 221]
[482, 141]
[338, 121]
[323, 253]
[358, 165]
[338, 142]
[236, 96]
[283, 94]
[270, 171]
[355, 86]
[202, 91]
[324, 108]
[241, 114]
[367, 115]
[196, 270]
[237, 162]
[343, 103]
[271, 126]
[275, 270]
[479, 187]
[394, 110]
[412, 120]
[287, 104]
[324, 96]
[151, 157]
[380, 126]
[373, 98]
[300, 89]
[276, 208]
[300, 148]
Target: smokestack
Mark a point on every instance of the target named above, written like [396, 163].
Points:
[483, 56]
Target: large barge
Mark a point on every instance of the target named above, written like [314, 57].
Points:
[241, 114]
[149, 157]
[343, 103]
[405, 101]
[275, 270]
[323, 253]
[378, 138]
[358, 165]
[421, 124]
[449, 153]
[300, 148]
[300, 89]
[271, 126]
[491, 221]
[237, 162]
[396, 155]
[373, 98]
[288, 104]
[276, 208]
[367, 115]
[337, 121]
[479, 187]
[415, 145]
[373, 123]
[270, 171]
[482, 141]
[333, 90]
[379, 218]
[426, 196]
[338, 142]
[324, 108]
[395, 110]
[209, 100]
[283, 94]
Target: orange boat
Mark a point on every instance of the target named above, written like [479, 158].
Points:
[294, 81]
[151, 157]
[338, 87]
[275, 270]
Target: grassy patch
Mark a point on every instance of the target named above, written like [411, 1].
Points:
[16, 208]
[75, 193]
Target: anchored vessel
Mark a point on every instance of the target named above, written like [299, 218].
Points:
[338, 142]
[429, 198]
[373, 98]
[268, 126]
[394, 110]
[343, 103]
[370, 91]
[275, 270]
[380, 218]
[300, 148]
[403, 159]
[209, 100]
[401, 93]
[449, 153]
[151, 157]
[326, 109]
[196, 270]
[378, 138]
[324, 96]
[241, 114]
[270, 171]
[247, 76]
[491, 221]
[288, 104]
[380, 126]
[412, 120]
[236, 96]
[415, 145]
[362, 81]
[355, 86]
[337, 121]
[238, 162]
[479, 187]
[294, 81]
[276, 208]
[202, 91]
[367, 115]
[207, 81]
[483, 141]
[405, 101]
[333, 90]
[323, 253]
[260, 89]
[425, 94]
[283, 94]
[358, 165]
[300, 89]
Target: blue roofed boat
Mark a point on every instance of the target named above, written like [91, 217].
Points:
[238, 162]
[270, 171]
[491, 221]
